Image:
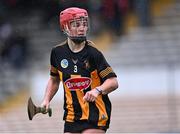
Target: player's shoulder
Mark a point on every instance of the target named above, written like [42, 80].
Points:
[92, 47]
[91, 44]
[60, 46]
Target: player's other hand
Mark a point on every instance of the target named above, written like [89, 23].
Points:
[91, 96]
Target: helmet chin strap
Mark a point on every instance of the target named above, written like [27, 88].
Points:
[78, 40]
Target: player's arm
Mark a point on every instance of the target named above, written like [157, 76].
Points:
[53, 82]
[51, 89]
[108, 77]
[108, 86]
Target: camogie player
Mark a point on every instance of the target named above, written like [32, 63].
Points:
[86, 76]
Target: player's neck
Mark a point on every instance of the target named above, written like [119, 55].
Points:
[75, 47]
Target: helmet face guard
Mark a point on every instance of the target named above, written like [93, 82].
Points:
[74, 23]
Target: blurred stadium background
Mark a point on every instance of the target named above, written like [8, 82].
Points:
[140, 39]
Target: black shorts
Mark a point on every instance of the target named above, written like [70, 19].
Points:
[80, 126]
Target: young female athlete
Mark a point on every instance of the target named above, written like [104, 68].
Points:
[86, 76]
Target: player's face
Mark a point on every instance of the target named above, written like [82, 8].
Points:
[78, 27]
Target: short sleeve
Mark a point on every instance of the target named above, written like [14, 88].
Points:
[104, 69]
[53, 62]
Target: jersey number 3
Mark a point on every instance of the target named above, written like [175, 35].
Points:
[75, 68]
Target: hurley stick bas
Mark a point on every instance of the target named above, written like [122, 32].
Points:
[33, 110]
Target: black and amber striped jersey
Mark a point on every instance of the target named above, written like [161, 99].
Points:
[81, 72]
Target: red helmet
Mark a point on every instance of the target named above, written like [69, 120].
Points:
[70, 14]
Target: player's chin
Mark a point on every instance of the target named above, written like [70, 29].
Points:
[81, 34]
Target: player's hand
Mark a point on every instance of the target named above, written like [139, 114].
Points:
[45, 104]
[91, 96]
